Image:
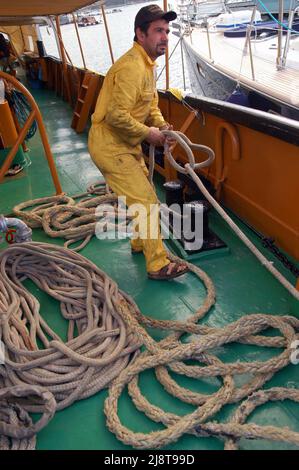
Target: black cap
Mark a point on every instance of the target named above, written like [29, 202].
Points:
[152, 13]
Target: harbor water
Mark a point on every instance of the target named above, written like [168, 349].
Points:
[121, 28]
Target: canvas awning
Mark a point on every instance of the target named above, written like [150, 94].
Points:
[19, 37]
[41, 7]
[22, 20]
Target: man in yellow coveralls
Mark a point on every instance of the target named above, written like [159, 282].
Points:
[126, 114]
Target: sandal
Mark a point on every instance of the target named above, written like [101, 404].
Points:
[14, 170]
[170, 271]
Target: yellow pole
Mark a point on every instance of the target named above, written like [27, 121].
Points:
[79, 41]
[166, 55]
[107, 33]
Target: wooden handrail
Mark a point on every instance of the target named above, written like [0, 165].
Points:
[34, 114]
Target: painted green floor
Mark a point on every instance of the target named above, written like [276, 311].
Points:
[243, 286]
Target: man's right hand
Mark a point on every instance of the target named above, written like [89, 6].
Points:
[155, 137]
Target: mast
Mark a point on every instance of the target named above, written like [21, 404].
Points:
[290, 25]
[279, 37]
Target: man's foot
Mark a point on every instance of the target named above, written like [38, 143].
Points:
[170, 271]
[14, 170]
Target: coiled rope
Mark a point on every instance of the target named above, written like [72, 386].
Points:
[98, 345]
[62, 217]
[71, 371]
[17, 431]
[170, 353]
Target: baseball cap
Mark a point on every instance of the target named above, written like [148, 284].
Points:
[151, 13]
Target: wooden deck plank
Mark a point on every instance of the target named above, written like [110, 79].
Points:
[227, 57]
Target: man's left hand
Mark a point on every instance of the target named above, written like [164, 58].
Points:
[169, 140]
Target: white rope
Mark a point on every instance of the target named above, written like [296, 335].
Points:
[189, 168]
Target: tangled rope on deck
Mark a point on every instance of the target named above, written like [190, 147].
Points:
[98, 344]
[62, 217]
[169, 354]
[17, 431]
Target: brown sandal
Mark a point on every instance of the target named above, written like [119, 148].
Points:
[168, 272]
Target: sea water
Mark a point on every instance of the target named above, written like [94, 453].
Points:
[121, 28]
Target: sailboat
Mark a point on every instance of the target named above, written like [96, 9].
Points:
[245, 60]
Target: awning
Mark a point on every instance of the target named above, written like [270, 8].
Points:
[22, 20]
[19, 37]
[41, 7]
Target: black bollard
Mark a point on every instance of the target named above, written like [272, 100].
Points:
[174, 192]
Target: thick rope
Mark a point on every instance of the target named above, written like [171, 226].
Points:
[25, 364]
[189, 169]
[62, 217]
[17, 431]
[98, 344]
[257, 253]
[169, 352]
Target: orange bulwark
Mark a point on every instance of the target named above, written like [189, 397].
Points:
[258, 172]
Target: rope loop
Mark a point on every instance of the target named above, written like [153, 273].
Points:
[188, 147]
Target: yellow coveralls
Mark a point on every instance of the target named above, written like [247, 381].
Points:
[126, 107]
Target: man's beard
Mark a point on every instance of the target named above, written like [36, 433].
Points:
[158, 50]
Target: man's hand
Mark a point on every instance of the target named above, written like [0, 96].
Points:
[155, 136]
[167, 127]
[169, 140]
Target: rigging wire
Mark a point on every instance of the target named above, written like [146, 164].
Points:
[274, 19]
[169, 58]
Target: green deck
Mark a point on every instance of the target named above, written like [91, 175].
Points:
[243, 286]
